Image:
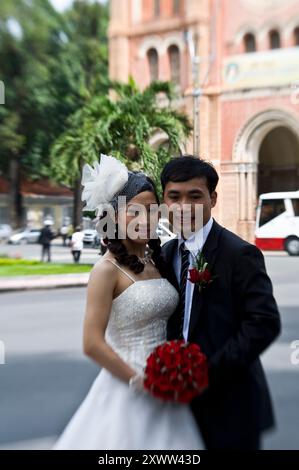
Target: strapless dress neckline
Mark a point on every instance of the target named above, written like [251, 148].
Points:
[138, 282]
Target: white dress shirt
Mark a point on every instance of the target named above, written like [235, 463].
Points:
[194, 244]
[77, 241]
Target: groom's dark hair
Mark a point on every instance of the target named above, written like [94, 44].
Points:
[187, 167]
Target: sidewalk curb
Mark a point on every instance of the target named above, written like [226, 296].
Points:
[43, 282]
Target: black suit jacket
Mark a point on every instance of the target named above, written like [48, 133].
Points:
[234, 319]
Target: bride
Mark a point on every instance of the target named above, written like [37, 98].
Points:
[128, 306]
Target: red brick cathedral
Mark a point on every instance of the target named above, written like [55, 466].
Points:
[245, 71]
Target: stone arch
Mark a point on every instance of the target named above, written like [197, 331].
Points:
[246, 152]
[151, 42]
[174, 40]
[243, 30]
[160, 138]
[161, 44]
[267, 27]
[250, 137]
[290, 27]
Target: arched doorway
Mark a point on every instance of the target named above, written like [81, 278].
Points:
[266, 158]
[278, 167]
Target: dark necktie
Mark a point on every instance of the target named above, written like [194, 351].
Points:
[183, 281]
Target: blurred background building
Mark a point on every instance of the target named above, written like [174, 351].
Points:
[238, 61]
[41, 200]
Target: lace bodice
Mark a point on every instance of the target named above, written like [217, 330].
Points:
[138, 319]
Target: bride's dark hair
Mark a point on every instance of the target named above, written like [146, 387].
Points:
[122, 256]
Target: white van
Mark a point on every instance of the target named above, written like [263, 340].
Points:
[277, 222]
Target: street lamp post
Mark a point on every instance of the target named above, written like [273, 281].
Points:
[192, 42]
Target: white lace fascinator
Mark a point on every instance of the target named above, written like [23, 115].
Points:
[102, 182]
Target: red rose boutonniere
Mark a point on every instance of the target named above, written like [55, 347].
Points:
[200, 274]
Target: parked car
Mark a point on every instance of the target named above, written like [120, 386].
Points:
[163, 231]
[27, 235]
[277, 222]
[91, 237]
[5, 231]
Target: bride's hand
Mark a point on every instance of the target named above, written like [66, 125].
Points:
[136, 382]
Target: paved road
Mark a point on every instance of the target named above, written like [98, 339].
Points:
[59, 253]
[46, 376]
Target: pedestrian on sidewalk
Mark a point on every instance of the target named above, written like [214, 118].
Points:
[69, 234]
[77, 243]
[45, 239]
[64, 233]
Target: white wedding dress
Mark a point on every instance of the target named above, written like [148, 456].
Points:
[114, 416]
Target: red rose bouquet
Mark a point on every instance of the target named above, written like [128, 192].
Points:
[176, 371]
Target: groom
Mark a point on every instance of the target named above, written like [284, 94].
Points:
[233, 319]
